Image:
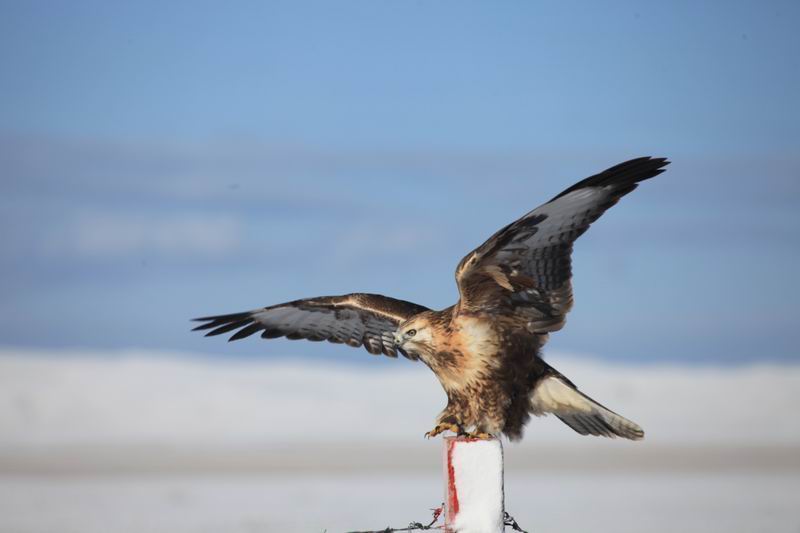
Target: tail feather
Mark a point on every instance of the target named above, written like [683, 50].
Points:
[555, 394]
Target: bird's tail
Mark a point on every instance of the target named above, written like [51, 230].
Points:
[555, 394]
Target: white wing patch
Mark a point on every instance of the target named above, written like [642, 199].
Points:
[552, 395]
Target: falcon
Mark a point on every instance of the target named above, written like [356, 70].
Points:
[514, 290]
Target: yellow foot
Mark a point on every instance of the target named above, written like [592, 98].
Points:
[440, 428]
[477, 435]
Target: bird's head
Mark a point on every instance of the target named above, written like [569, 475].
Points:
[415, 335]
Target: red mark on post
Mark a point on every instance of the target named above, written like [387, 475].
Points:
[452, 491]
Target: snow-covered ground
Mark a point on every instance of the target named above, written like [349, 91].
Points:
[158, 442]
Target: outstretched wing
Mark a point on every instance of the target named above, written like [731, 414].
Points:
[525, 268]
[354, 319]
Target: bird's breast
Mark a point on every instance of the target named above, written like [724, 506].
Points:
[466, 353]
[475, 336]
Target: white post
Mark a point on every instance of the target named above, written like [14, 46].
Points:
[473, 473]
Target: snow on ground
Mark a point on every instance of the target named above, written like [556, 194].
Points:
[157, 442]
[51, 399]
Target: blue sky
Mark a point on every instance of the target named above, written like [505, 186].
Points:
[161, 162]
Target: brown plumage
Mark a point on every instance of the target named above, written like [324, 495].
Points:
[485, 350]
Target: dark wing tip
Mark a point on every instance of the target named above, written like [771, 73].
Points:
[246, 331]
[225, 323]
[625, 174]
[222, 318]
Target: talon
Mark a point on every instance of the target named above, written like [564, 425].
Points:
[478, 435]
[440, 428]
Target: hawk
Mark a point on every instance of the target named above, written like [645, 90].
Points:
[514, 290]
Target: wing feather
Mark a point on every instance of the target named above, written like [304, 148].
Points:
[359, 319]
[557, 395]
[525, 268]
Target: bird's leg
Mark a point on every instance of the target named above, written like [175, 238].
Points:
[442, 427]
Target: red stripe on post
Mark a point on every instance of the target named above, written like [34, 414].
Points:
[452, 492]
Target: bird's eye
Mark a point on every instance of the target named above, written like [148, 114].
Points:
[411, 333]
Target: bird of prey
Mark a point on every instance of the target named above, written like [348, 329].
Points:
[514, 289]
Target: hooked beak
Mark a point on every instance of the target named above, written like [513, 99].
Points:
[398, 339]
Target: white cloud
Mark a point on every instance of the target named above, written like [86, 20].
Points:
[113, 235]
